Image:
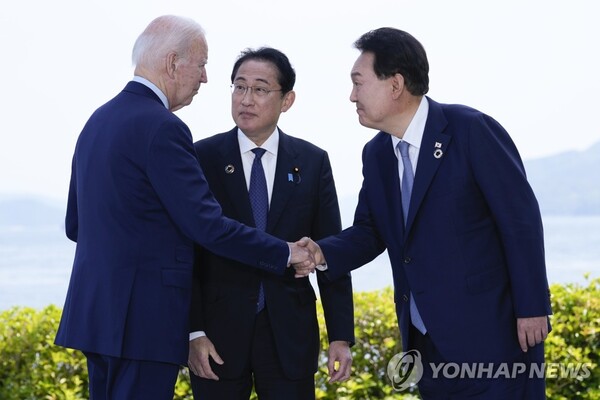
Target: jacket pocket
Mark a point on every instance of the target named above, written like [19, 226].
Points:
[184, 254]
[487, 280]
[177, 277]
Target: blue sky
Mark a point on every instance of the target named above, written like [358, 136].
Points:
[532, 65]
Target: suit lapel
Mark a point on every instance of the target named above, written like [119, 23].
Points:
[391, 184]
[283, 187]
[235, 183]
[433, 146]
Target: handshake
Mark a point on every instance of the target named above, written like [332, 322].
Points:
[305, 256]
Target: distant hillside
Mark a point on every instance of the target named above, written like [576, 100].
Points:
[30, 211]
[567, 183]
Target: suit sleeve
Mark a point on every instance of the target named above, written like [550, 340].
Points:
[177, 178]
[71, 218]
[197, 309]
[356, 245]
[500, 174]
[336, 295]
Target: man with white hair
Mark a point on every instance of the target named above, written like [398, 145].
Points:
[138, 201]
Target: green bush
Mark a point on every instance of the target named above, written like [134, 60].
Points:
[33, 368]
[575, 338]
[377, 340]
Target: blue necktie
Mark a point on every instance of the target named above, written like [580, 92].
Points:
[407, 184]
[259, 199]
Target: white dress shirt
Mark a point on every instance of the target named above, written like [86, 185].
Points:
[269, 159]
[413, 136]
[269, 163]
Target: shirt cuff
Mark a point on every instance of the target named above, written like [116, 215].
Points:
[196, 335]
[322, 267]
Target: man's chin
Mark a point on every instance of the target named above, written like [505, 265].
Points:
[364, 122]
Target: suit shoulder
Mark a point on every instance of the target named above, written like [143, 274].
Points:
[146, 115]
[467, 122]
[304, 145]
[379, 140]
[461, 112]
[210, 143]
[477, 121]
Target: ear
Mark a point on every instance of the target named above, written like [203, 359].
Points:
[288, 100]
[397, 82]
[171, 64]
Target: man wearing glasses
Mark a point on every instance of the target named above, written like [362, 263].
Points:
[250, 328]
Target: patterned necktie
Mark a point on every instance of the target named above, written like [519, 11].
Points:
[407, 184]
[259, 199]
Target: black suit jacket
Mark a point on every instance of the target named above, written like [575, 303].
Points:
[304, 203]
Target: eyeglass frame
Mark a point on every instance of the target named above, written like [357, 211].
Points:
[253, 90]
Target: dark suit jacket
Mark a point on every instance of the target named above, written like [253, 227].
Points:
[224, 304]
[137, 201]
[472, 251]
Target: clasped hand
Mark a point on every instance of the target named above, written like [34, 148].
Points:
[305, 256]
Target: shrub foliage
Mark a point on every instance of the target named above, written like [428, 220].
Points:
[32, 367]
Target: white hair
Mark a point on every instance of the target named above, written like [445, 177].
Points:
[165, 34]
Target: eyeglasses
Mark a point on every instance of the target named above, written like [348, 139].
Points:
[260, 91]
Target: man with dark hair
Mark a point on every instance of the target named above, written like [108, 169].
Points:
[251, 327]
[445, 192]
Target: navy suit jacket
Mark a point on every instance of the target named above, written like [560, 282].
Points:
[472, 251]
[138, 200]
[304, 203]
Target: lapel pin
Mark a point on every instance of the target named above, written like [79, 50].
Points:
[294, 176]
[438, 153]
[229, 169]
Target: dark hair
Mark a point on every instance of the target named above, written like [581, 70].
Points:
[397, 52]
[286, 75]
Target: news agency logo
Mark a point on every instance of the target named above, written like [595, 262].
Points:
[405, 370]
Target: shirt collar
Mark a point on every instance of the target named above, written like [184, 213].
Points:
[416, 128]
[270, 145]
[154, 88]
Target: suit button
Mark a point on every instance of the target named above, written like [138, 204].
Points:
[405, 298]
[407, 260]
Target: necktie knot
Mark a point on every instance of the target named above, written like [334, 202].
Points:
[403, 147]
[258, 152]
[407, 178]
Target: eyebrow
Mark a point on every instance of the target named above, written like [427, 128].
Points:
[241, 78]
[355, 74]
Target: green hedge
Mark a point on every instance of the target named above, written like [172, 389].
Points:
[32, 368]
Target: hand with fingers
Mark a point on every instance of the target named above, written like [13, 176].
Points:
[339, 363]
[201, 350]
[302, 259]
[532, 331]
[315, 253]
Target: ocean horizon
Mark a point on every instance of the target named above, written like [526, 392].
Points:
[35, 263]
